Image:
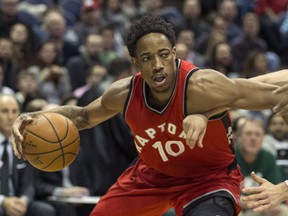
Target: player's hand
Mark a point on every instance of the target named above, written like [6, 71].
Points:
[264, 197]
[195, 127]
[17, 129]
[282, 107]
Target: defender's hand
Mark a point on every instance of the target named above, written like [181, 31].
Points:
[266, 196]
[195, 127]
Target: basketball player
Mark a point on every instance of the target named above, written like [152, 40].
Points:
[158, 104]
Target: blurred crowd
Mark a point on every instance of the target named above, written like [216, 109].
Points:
[56, 52]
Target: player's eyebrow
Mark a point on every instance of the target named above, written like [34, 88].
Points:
[147, 53]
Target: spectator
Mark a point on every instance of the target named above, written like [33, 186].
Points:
[6, 60]
[270, 13]
[169, 13]
[96, 76]
[217, 34]
[54, 80]
[191, 11]
[276, 141]
[90, 21]
[187, 37]
[17, 189]
[114, 17]
[221, 59]
[113, 137]
[25, 44]
[111, 46]
[54, 29]
[27, 85]
[8, 16]
[228, 11]
[91, 54]
[256, 64]
[251, 157]
[4, 89]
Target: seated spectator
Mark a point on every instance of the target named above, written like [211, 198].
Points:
[27, 85]
[17, 181]
[193, 20]
[25, 44]
[249, 41]
[221, 59]
[113, 16]
[54, 29]
[187, 37]
[6, 59]
[255, 64]
[252, 157]
[228, 11]
[90, 21]
[276, 141]
[90, 55]
[217, 34]
[96, 76]
[54, 80]
[4, 89]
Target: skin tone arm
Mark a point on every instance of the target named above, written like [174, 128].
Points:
[278, 78]
[108, 105]
[209, 90]
[266, 196]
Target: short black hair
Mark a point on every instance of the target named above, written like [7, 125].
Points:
[145, 25]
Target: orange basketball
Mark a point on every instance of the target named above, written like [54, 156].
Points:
[51, 142]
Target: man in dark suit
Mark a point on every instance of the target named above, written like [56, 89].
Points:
[16, 176]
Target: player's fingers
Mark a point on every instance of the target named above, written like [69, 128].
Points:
[200, 139]
[257, 178]
[16, 142]
[190, 138]
[251, 192]
[262, 208]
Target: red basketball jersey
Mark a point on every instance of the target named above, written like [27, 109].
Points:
[159, 136]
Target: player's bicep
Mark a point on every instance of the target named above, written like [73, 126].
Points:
[214, 90]
[109, 104]
[209, 89]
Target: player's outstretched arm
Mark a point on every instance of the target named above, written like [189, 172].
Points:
[210, 90]
[101, 109]
[266, 196]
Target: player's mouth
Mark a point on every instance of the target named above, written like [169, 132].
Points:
[159, 80]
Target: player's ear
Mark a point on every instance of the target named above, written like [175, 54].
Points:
[174, 51]
[135, 62]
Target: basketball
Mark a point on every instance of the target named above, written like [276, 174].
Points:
[51, 142]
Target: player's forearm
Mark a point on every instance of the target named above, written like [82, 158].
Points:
[278, 78]
[75, 113]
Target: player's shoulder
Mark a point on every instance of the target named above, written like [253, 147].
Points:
[204, 76]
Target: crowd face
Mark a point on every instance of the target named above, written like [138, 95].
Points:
[278, 128]
[94, 45]
[19, 33]
[6, 49]
[251, 137]
[48, 53]
[9, 111]
[9, 7]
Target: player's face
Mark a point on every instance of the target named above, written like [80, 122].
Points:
[9, 110]
[155, 58]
